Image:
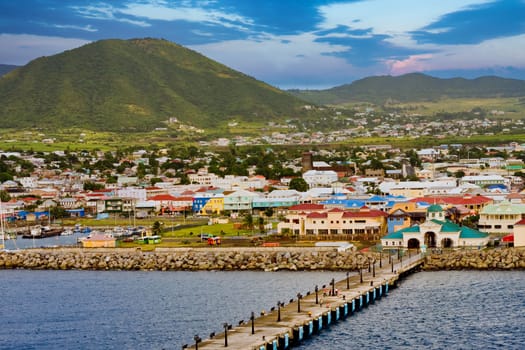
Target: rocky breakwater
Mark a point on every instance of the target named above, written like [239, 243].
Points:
[185, 259]
[494, 259]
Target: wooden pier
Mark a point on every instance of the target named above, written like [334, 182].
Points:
[306, 315]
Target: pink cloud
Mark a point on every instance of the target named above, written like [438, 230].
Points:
[415, 63]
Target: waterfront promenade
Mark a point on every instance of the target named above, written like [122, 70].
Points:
[290, 322]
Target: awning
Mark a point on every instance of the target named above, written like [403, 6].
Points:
[508, 238]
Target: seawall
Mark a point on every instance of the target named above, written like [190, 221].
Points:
[493, 259]
[263, 259]
[229, 259]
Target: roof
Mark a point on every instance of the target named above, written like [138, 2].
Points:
[465, 200]
[399, 234]
[434, 208]
[316, 215]
[163, 197]
[307, 206]
[467, 232]
[371, 213]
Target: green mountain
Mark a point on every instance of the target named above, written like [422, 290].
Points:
[134, 85]
[413, 87]
[6, 68]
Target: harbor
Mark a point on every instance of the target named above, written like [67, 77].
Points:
[289, 323]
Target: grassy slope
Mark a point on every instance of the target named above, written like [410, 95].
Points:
[134, 85]
[414, 87]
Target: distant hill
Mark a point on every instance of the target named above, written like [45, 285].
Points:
[414, 87]
[6, 68]
[134, 85]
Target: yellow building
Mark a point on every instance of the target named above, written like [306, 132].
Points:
[215, 205]
[99, 241]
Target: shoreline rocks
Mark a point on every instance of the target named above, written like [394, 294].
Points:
[184, 259]
[493, 259]
[256, 259]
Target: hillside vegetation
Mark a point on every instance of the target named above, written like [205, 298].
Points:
[134, 85]
[412, 88]
[6, 68]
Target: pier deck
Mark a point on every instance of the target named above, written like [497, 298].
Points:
[298, 322]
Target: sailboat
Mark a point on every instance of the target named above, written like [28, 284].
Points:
[2, 228]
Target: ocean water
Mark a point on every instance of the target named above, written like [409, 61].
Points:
[164, 310]
[438, 310]
[135, 310]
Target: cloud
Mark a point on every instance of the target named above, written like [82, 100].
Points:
[392, 18]
[285, 61]
[414, 63]
[134, 13]
[87, 28]
[494, 53]
[18, 49]
[106, 12]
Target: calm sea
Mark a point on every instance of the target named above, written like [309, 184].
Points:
[164, 310]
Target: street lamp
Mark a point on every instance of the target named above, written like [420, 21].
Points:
[226, 326]
[316, 294]
[360, 274]
[333, 286]
[252, 318]
[347, 280]
[299, 297]
[279, 311]
[197, 341]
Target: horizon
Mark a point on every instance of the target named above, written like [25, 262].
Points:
[315, 45]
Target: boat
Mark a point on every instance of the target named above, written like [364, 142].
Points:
[67, 232]
[2, 229]
[42, 232]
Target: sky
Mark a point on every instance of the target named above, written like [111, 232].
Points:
[306, 44]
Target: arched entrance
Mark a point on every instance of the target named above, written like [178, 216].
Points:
[430, 240]
[447, 243]
[413, 243]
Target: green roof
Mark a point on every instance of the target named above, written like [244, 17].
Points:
[399, 234]
[434, 208]
[447, 226]
[467, 232]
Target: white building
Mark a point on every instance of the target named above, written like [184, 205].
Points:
[435, 232]
[320, 178]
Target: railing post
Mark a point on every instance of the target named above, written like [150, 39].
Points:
[252, 318]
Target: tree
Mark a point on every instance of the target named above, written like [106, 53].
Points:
[248, 221]
[268, 212]
[156, 228]
[260, 221]
[299, 184]
[4, 196]
[58, 212]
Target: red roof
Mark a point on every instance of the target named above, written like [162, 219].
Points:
[370, 213]
[163, 197]
[181, 199]
[316, 215]
[521, 222]
[307, 206]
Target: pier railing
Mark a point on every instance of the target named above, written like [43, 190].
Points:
[288, 324]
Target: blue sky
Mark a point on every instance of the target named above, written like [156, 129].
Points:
[289, 43]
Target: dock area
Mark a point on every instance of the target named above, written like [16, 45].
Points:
[289, 323]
